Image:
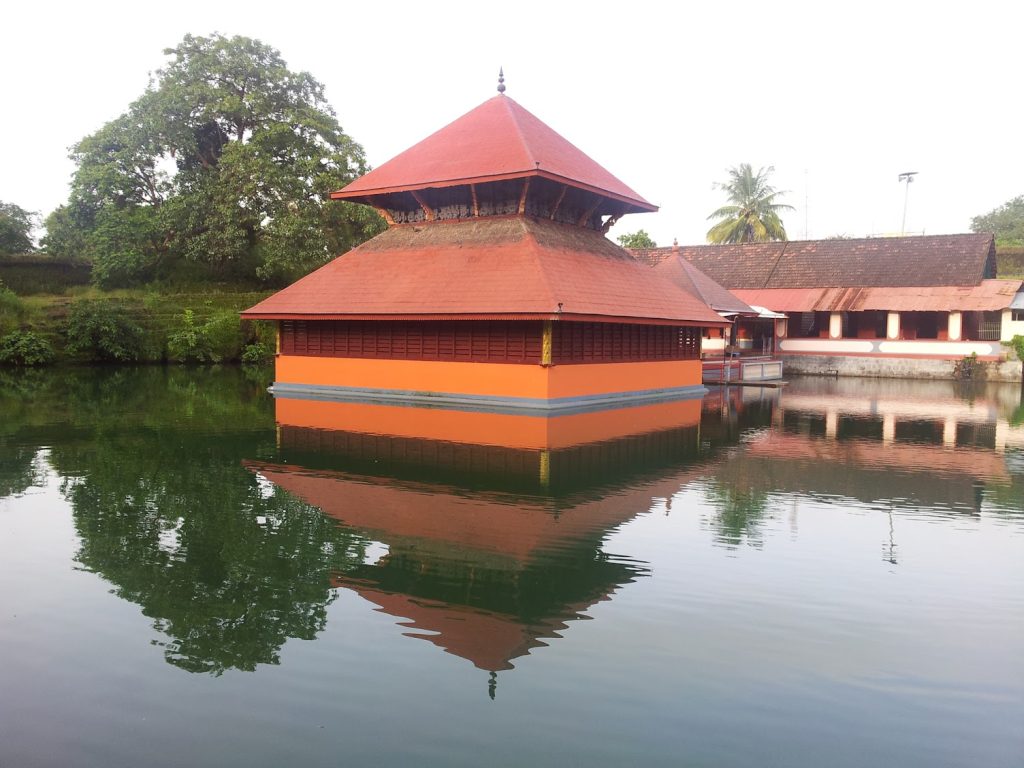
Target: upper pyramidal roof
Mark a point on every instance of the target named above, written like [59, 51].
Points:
[497, 141]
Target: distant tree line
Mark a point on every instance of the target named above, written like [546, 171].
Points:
[1006, 222]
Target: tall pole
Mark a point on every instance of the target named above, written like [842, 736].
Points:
[806, 216]
[907, 177]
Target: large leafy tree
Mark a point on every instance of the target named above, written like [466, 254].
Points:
[1006, 222]
[752, 214]
[221, 168]
[15, 229]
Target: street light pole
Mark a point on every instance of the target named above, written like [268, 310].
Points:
[907, 177]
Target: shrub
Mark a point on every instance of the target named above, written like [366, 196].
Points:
[969, 368]
[189, 344]
[1017, 344]
[257, 353]
[103, 332]
[220, 338]
[224, 332]
[12, 308]
[25, 348]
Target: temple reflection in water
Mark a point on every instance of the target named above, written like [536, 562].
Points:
[493, 523]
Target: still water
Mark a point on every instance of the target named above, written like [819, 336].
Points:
[829, 575]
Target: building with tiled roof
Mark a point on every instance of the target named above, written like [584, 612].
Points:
[932, 297]
[494, 286]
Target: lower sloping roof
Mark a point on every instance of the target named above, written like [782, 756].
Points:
[490, 267]
[989, 295]
[689, 278]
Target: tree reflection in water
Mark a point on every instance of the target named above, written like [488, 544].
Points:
[228, 568]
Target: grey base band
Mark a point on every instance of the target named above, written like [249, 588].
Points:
[531, 406]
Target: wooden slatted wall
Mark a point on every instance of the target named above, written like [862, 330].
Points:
[618, 343]
[489, 341]
[473, 341]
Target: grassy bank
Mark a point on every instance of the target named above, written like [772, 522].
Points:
[85, 324]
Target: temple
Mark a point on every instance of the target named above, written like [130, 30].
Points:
[494, 287]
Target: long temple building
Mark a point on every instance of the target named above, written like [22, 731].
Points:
[494, 287]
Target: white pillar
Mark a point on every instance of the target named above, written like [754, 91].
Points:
[831, 424]
[888, 428]
[1002, 432]
[835, 325]
[949, 432]
[778, 416]
[955, 326]
[892, 326]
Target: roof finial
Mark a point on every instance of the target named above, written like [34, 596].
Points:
[501, 80]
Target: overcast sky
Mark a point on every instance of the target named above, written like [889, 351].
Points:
[840, 98]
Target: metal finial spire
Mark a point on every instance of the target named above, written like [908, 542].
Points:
[501, 80]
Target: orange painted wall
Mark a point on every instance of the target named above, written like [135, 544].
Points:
[488, 378]
[415, 375]
[530, 432]
[601, 378]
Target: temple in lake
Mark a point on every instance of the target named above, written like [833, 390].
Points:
[494, 287]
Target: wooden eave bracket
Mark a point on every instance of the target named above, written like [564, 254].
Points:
[558, 202]
[589, 212]
[384, 212]
[611, 222]
[522, 197]
[427, 210]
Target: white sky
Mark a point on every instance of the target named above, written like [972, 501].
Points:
[839, 98]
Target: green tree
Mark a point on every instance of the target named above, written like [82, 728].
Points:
[224, 163]
[15, 229]
[638, 239]
[1006, 222]
[752, 214]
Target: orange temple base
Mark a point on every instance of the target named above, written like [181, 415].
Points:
[497, 387]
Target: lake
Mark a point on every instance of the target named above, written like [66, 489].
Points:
[827, 574]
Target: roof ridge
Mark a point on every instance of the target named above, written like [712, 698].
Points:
[556, 306]
[508, 103]
[686, 265]
[775, 266]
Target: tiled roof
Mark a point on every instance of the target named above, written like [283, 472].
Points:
[690, 279]
[497, 140]
[988, 295]
[488, 267]
[931, 260]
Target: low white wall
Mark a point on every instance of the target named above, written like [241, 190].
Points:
[950, 349]
[891, 367]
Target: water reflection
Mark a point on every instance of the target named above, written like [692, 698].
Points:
[150, 462]
[886, 444]
[492, 549]
[234, 527]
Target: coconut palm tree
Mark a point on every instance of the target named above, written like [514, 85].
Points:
[752, 214]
